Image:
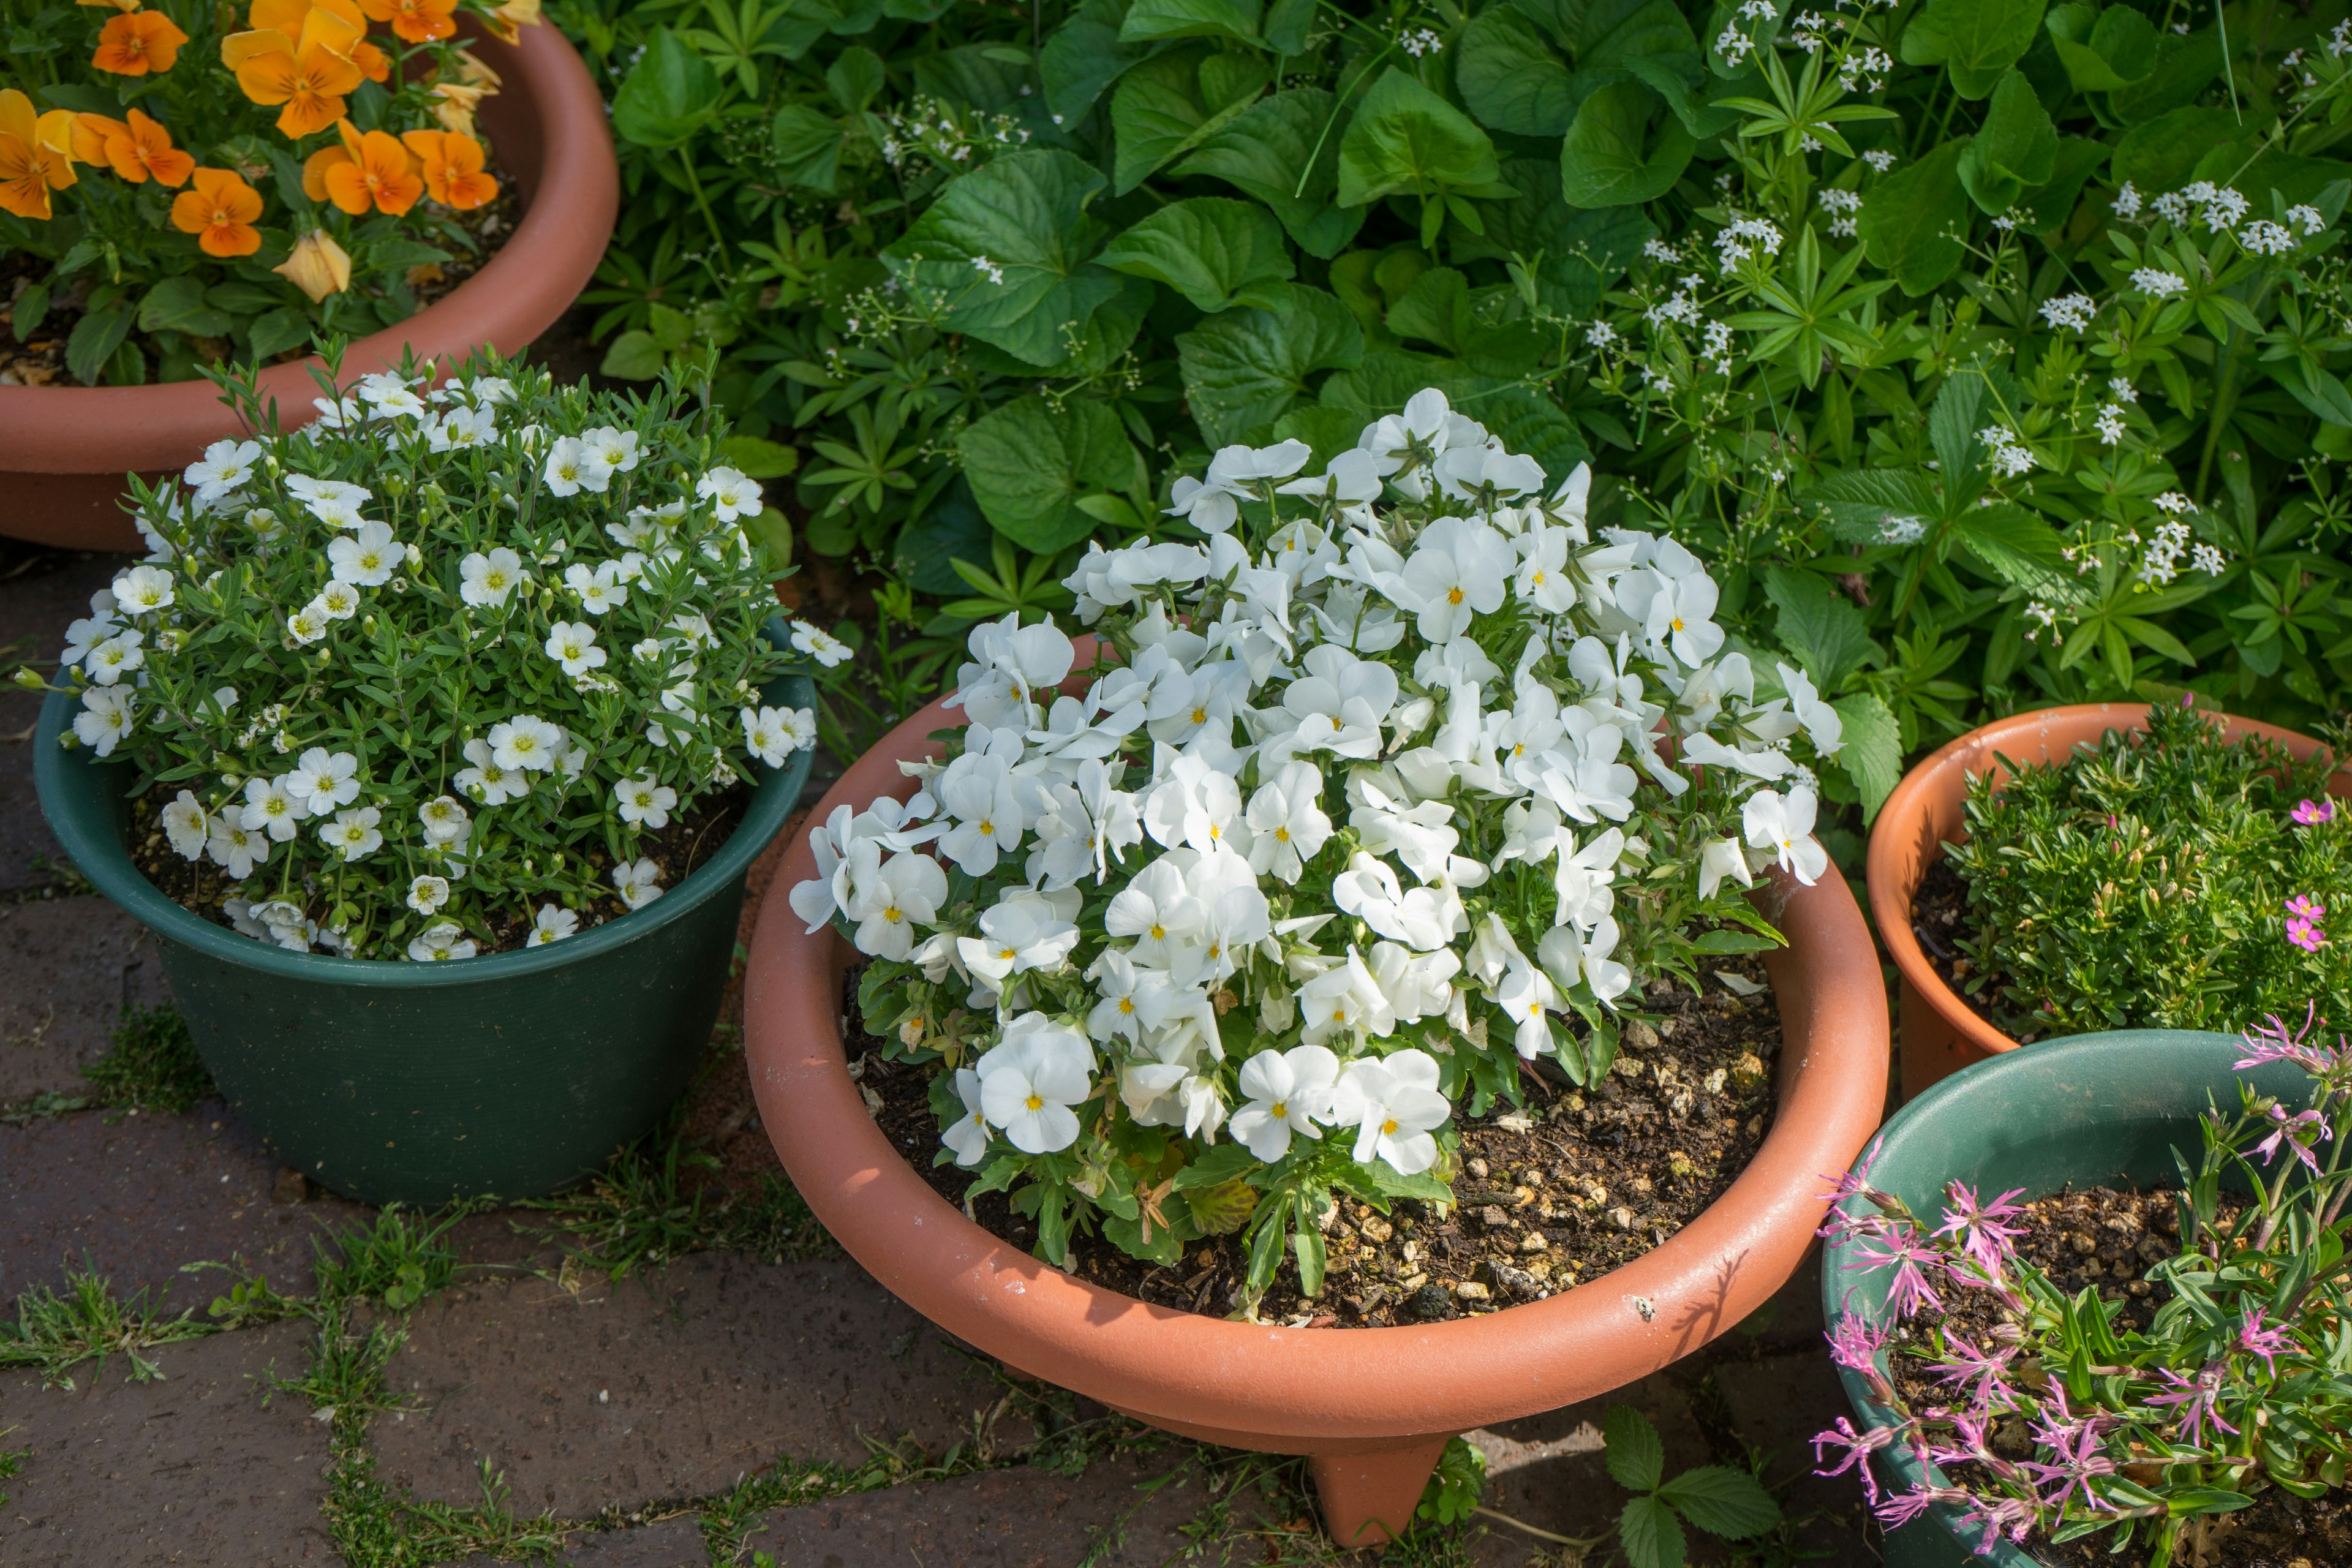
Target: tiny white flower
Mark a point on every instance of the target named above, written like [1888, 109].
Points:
[353, 833]
[569, 469]
[553, 923]
[444, 821]
[271, 806]
[731, 494]
[773, 734]
[488, 580]
[143, 590]
[2158, 284]
[526, 741]
[614, 451]
[821, 646]
[598, 588]
[490, 781]
[337, 602]
[234, 848]
[185, 826]
[645, 801]
[638, 881]
[324, 779]
[427, 894]
[116, 656]
[334, 502]
[573, 645]
[441, 942]
[365, 559]
[307, 625]
[226, 468]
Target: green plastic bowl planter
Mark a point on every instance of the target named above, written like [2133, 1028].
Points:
[2106, 1108]
[510, 1074]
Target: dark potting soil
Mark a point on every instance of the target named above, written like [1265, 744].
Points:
[1547, 1197]
[2105, 1238]
[1940, 919]
[692, 837]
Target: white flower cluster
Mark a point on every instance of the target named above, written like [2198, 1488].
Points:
[1397, 761]
[443, 647]
[2011, 457]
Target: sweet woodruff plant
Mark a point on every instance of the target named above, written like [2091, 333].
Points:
[1367, 803]
[219, 177]
[435, 667]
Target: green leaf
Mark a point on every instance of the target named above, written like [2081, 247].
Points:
[2320, 390]
[1262, 153]
[855, 79]
[2079, 157]
[2158, 155]
[1576, 253]
[84, 99]
[1213, 250]
[808, 145]
[2015, 149]
[275, 331]
[1616, 156]
[1681, 79]
[758, 458]
[977, 75]
[1637, 1460]
[178, 305]
[1822, 627]
[1244, 368]
[1650, 1534]
[1613, 32]
[2183, 67]
[1723, 1502]
[1862, 502]
[2103, 50]
[1025, 215]
[1082, 59]
[1028, 465]
[1871, 751]
[1405, 138]
[1435, 309]
[2020, 549]
[1976, 41]
[1151, 21]
[633, 356]
[1915, 225]
[953, 529]
[24, 316]
[671, 94]
[1511, 76]
[1524, 420]
[95, 337]
[1158, 113]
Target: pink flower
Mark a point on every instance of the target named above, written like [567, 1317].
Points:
[1858, 1446]
[1899, 1248]
[2013, 1516]
[2200, 1401]
[2305, 935]
[1978, 1224]
[2312, 813]
[2297, 1132]
[2256, 1340]
[1963, 1360]
[2274, 1042]
[2304, 907]
[1855, 1341]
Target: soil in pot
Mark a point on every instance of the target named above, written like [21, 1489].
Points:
[1546, 1196]
[1939, 918]
[42, 361]
[2106, 1239]
[200, 886]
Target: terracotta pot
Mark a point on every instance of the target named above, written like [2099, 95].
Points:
[1372, 1407]
[1941, 1033]
[64, 451]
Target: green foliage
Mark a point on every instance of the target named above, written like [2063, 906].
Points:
[152, 1064]
[56, 1330]
[2149, 883]
[1456, 1484]
[1722, 1501]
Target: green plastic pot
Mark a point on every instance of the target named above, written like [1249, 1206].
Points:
[508, 1075]
[2091, 1109]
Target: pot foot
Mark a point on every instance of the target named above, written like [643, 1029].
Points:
[1369, 1498]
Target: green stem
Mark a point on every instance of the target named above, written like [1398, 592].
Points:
[2225, 399]
[694, 183]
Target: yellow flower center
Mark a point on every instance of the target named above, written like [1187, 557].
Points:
[1199, 715]
[1678, 623]
[1454, 596]
[1388, 1126]
[1125, 1005]
[891, 914]
[987, 826]
[1279, 1110]
[1159, 931]
[1034, 1103]
[1282, 835]
[1005, 954]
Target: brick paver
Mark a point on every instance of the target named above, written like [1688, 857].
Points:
[68, 968]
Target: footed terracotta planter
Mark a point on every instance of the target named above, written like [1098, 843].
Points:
[1941, 1033]
[1371, 1407]
[64, 451]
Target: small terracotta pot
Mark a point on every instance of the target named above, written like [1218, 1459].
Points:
[64, 451]
[1941, 1033]
[1372, 1407]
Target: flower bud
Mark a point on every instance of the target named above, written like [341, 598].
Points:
[26, 678]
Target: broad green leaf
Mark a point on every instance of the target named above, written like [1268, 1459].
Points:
[1976, 41]
[1820, 627]
[1871, 751]
[2079, 157]
[1616, 156]
[1719, 1499]
[178, 305]
[1637, 1460]
[1029, 464]
[1213, 250]
[1915, 225]
[1329, 431]
[1161, 109]
[83, 99]
[1151, 21]
[1681, 79]
[2102, 50]
[760, 459]
[1385, 379]
[235, 296]
[1287, 26]
[1406, 139]
[976, 75]
[855, 79]
[1575, 252]
[1524, 420]
[1435, 309]
[1511, 76]
[2157, 156]
[2294, 178]
[808, 145]
[1611, 32]
[952, 529]
[2020, 549]
[1003, 252]
[1094, 348]
[670, 94]
[95, 337]
[633, 356]
[275, 331]
[1082, 57]
[2014, 150]
[2183, 67]
[1245, 368]
[1262, 153]
[2320, 390]
[1866, 505]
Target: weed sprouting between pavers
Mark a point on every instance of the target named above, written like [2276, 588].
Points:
[149, 1065]
[55, 1331]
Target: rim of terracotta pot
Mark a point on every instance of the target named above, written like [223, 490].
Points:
[1307, 1389]
[549, 118]
[1924, 813]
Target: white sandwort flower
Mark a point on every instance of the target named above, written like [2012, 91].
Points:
[353, 834]
[553, 923]
[444, 821]
[185, 826]
[773, 734]
[573, 645]
[365, 559]
[272, 806]
[731, 495]
[526, 741]
[821, 646]
[568, 470]
[440, 943]
[426, 894]
[638, 881]
[488, 581]
[322, 780]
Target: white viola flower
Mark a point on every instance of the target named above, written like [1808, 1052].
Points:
[773, 734]
[889, 902]
[488, 581]
[1783, 824]
[1012, 665]
[1467, 473]
[490, 781]
[459, 428]
[976, 794]
[644, 801]
[234, 848]
[569, 469]
[598, 588]
[1132, 998]
[227, 467]
[1822, 724]
[353, 834]
[1569, 955]
[336, 602]
[1341, 703]
[1351, 478]
[526, 741]
[1459, 567]
[1030, 1078]
[1213, 505]
[427, 894]
[614, 451]
[185, 827]
[1344, 1001]
[639, 882]
[573, 645]
[731, 495]
[1681, 618]
[1288, 1091]
[1195, 803]
[143, 590]
[1394, 1105]
[365, 559]
[113, 657]
[1286, 823]
[819, 644]
[1528, 998]
[1424, 919]
[441, 942]
[1542, 579]
[445, 820]
[1020, 933]
[553, 923]
[1159, 909]
[1722, 857]
[273, 805]
[324, 779]
[967, 1140]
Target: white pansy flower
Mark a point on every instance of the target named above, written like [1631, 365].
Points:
[1393, 1104]
[1783, 824]
[891, 901]
[967, 1138]
[1030, 1078]
[1288, 1092]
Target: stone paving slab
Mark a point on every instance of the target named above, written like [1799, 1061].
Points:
[35, 610]
[192, 1467]
[672, 1385]
[138, 1196]
[68, 968]
[1778, 1403]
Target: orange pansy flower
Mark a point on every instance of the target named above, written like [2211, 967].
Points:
[373, 63]
[374, 172]
[418, 21]
[308, 70]
[138, 150]
[219, 209]
[138, 43]
[35, 155]
[452, 168]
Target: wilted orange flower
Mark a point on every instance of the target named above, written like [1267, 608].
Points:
[454, 105]
[452, 168]
[318, 266]
[137, 43]
[35, 155]
[509, 19]
[137, 151]
[118, 5]
[220, 210]
[367, 170]
[418, 21]
[308, 70]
